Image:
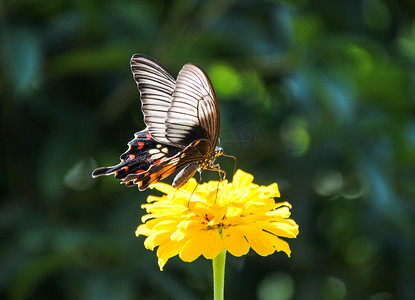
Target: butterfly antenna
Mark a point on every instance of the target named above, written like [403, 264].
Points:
[239, 141]
[233, 157]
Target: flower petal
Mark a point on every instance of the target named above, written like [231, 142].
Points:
[166, 251]
[261, 243]
[235, 242]
[242, 178]
[282, 229]
[208, 243]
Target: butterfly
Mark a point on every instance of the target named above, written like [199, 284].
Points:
[182, 118]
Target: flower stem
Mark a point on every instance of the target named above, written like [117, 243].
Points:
[219, 275]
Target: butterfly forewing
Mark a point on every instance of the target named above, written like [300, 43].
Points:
[156, 85]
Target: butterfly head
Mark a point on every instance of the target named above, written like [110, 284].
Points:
[218, 151]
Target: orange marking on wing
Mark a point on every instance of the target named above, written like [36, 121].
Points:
[140, 171]
[153, 177]
[148, 136]
[116, 173]
[140, 145]
[125, 168]
[131, 156]
[169, 172]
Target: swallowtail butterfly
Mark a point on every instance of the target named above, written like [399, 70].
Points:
[182, 118]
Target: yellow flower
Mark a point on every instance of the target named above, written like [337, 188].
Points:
[204, 219]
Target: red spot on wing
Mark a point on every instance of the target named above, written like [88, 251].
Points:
[140, 171]
[131, 156]
[125, 168]
[116, 173]
[148, 136]
[140, 145]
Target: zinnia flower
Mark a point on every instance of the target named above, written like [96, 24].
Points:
[207, 218]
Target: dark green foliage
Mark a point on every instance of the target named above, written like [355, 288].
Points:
[326, 88]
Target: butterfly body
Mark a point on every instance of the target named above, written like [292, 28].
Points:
[182, 118]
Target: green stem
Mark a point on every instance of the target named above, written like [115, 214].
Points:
[219, 275]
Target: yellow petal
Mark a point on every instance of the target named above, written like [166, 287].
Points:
[271, 190]
[166, 251]
[208, 243]
[143, 230]
[162, 187]
[235, 242]
[242, 178]
[281, 229]
[191, 250]
[156, 239]
[280, 245]
[261, 243]
[212, 244]
[177, 235]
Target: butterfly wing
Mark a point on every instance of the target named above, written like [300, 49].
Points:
[156, 85]
[176, 112]
[142, 153]
[194, 110]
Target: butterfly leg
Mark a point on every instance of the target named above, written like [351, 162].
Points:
[222, 173]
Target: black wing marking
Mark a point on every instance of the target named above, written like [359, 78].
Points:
[156, 85]
[194, 110]
[142, 153]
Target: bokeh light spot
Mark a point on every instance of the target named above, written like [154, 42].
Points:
[225, 79]
[295, 136]
[276, 286]
[79, 176]
[327, 182]
[334, 289]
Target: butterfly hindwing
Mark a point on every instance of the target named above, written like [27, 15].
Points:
[163, 168]
[142, 153]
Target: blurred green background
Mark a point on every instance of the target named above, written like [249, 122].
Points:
[326, 87]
